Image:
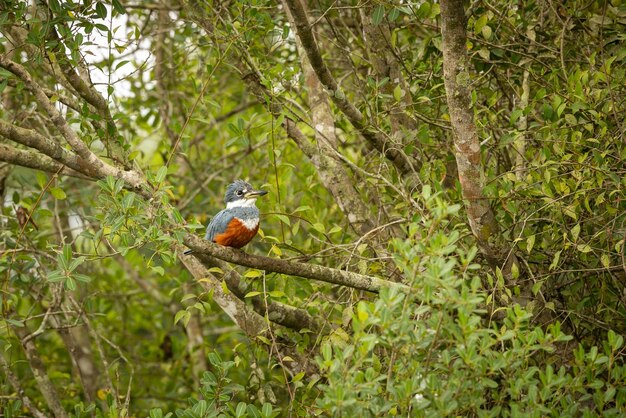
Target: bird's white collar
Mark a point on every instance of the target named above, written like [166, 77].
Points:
[241, 203]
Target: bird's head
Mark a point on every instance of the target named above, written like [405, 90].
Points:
[241, 194]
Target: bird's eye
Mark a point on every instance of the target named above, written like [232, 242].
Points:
[239, 193]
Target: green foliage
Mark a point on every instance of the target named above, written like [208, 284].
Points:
[437, 352]
[218, 394]
[186, 117]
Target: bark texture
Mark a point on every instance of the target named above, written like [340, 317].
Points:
[467, 146]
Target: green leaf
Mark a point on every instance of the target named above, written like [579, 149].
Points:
[252, 274]
[56, 276]
[127, 201]
[480, 23]
[182, 315]
[604, 259]
[335, 229]
[515, 115]
[284, 219]
[514, 271]
[76, 262]
[319, 227]
[393, 14]
[70, 284]
[263, 339]
[276, 250]
[188, 296]
[101, 11]
[67, 256]
[14, 322]
[486, 32]
[118, 7]
[241, 410]
[530, 243]
[82, 278]
[555, 260]
[57, 193]
[252, 294]
[398, 93]
[161, 174]
[302, 209]
[42, 179]
[158, 270]
[575, 232]
[378, 15]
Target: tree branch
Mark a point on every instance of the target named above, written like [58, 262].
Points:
[467, 146]
[251, 323]
[36, 161]
[80, 81]
[34, 139]
[354, 115]
[97, 166]
[292, 268]
[279, 313]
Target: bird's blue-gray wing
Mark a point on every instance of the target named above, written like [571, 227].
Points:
[218, 224]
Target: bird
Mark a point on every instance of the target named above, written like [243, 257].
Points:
[236, 225]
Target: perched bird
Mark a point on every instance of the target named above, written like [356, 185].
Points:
[236, 225]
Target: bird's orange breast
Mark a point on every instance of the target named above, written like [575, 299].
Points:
[236, 235]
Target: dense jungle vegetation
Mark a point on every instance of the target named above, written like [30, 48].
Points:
[443, 234]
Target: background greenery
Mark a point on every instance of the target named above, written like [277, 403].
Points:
[101, 316]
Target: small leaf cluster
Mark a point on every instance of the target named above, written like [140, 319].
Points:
[218, 394]
[66, 271]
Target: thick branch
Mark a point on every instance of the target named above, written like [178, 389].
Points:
[354, 115]
[33, 139]
[250, 322]
[330, 170]
[86, 90]
[380, 52]
[99, 167]
[281, 314]
[292, 268]
[34, 160]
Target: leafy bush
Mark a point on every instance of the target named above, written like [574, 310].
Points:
[439, 352]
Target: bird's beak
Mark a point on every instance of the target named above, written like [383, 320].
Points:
[255, 193]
